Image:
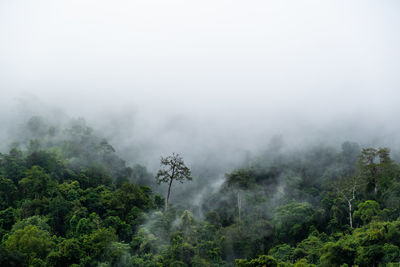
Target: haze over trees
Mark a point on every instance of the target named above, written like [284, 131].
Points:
[67, 199]
[284, 115]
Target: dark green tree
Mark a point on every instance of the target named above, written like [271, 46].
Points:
[8, 192]
[292, 221]
[36, 183]
[377, 169]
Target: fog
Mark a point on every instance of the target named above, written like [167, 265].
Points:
[212, 80]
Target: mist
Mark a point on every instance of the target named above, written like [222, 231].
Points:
[214, 81]
[271, 104]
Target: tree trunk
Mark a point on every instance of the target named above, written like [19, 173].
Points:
[169, 192]
[239, 203]
[374, 172]
[350, 216]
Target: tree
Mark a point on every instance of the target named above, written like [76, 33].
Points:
[339, 253]
[98, 242]
[69, 252]
[129, 198]
[31, 241]
[36, 183]
[377, 168]
[292, 221]
[172, 168]
[262, 260]
[367, 165]
[242, 179]
[346, 188]
[367, 211]
[8, 193]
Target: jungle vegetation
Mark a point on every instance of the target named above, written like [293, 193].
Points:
[68, 199]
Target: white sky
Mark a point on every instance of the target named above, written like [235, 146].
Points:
[253, 64]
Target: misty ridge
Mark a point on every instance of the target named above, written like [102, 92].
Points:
[211, 156]
[273, 200]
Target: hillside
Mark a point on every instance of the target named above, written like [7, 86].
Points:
[67, 199]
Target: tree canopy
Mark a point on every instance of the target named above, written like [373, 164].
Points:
[70, 200]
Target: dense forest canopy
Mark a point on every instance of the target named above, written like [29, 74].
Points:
[68, 199]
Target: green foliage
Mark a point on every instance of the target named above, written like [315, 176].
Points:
[243, 179]
[36, 183]
[337, 253]
[68, 252]
[38, 221]
[97, 243]
[49, 162]
[292, 221]
[30, 241]
[282, 252]
[67, 199]
[12, 165]
[7, 219]
[391, 253]
[97, 175]
[263, 260]
[128, 197]
[367, 211]
[378, 169]
[144, 242]
[8, 193]
[309, 249]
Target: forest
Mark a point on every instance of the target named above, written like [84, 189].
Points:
[199, 133]
[68, 199]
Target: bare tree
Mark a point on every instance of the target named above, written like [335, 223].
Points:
[239, 204]
[172, 168]
[347, 188]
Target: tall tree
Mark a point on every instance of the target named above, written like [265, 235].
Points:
[172, 168]
[377, 168]
[347, 188]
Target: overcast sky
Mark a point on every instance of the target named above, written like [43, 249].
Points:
[237, 70]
